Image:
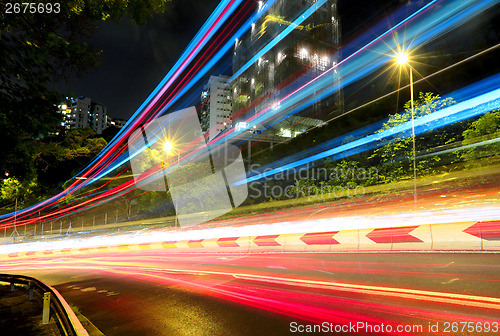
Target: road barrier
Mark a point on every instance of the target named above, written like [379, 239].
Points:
[465, 236]
[52, 302]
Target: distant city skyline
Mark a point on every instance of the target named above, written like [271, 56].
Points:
[135, 59]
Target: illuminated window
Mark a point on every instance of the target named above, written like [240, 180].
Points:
[303, 53]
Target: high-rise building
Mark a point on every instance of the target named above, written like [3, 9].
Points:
[85, 113]
[216, 102]
[306, 52]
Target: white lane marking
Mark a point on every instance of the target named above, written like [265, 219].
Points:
[449, 281]
[89, 289]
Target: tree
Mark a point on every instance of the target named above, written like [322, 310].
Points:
[12, 189]
[482, 136]
[58, 160]
[397, 154]
[38, 49]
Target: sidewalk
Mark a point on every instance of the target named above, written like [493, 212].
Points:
[22, 317]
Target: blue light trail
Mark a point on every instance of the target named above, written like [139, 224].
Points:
[469, 108]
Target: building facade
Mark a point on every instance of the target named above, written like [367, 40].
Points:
[216, 106]
[308, 51]
[84, 113]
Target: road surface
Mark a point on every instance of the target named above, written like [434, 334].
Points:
[159, 293]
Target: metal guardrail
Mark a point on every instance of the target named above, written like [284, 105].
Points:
[68, 321]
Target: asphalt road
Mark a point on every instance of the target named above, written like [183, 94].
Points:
[127, 306]
[158, 293]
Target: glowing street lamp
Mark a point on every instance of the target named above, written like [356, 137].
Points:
[402, 60]
[168, 147]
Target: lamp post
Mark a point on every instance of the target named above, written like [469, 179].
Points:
[168, 147]
[14, 233]
[402, 60]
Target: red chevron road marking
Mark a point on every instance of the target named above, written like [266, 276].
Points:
[195, 243]
[266, 240]
[320, 238]
[228, 242]
[394, 235]
[486, 230]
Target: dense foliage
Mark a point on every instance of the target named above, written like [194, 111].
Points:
[36, 50]
[461, 145]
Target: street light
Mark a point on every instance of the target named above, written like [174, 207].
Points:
[402, 60]
[168, 147]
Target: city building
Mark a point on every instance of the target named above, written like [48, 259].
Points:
[306, 52]
[84, 113]
[216, 106]
[63, 110]
[115, 122]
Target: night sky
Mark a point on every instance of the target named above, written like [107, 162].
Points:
[135, 59]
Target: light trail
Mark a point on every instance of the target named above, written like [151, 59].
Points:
[304, 219]
[308, 286]
[168, 80]
[200, 39]
[412, 16]
[357, 65]
[461, 148]
[280, 36]
[300, 18]
[442, 27]
[362, 62]
[376, 126]
[426, 78]
[275, 41]
[216, 19]
[449, 115]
